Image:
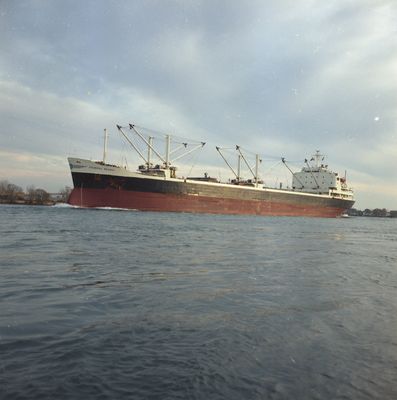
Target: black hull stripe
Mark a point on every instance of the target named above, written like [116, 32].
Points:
[98, 181]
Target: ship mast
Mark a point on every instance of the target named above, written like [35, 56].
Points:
[105, 144]
[240, 157]
[317, 157]
[167, 151]
[257, 161]
[149, 152]
[238, 167]
[166, 160]
[148, 144]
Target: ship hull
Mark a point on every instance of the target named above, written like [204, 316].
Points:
[146, 201]
[119, 189]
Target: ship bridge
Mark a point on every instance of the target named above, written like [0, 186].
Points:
[319, 179]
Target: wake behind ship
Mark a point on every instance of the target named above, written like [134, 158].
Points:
[316, 191]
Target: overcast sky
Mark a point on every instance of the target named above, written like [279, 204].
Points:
[282, 78]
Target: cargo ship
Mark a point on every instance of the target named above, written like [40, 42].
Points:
[316, 191]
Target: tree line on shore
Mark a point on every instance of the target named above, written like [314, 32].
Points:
[14, 194]
[376, 212]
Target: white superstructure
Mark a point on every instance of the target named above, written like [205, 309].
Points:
[318, 179]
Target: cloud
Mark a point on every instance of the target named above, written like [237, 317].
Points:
[40, 121]
[284, 78]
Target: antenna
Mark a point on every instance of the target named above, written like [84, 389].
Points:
[317, 157]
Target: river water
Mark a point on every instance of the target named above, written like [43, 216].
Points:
[107, 304]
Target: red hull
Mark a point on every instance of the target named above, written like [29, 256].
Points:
[147, 201]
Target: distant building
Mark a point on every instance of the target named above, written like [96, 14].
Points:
[393, 213]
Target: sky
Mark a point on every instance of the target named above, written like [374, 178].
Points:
[280, 78]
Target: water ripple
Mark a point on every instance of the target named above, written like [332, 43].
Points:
[101, 304]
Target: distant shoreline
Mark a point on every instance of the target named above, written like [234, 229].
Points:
[14, 194]
[25, 203]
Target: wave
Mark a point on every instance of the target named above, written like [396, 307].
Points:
[66, 205]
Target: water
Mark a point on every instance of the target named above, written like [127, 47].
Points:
[104, 304]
